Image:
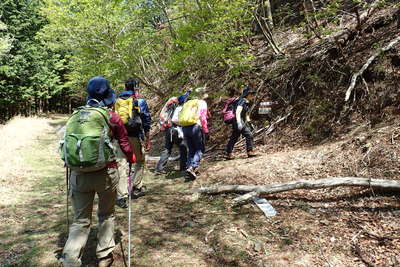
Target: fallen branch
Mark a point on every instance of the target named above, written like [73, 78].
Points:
[246, 197]
[302, 184]
[273, 125]
[366, 65]
[269, 129]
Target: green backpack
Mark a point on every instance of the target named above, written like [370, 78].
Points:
[86, 145]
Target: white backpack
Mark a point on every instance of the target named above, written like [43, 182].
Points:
[175, 115]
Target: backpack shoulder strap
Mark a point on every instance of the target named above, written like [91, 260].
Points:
[136, 105]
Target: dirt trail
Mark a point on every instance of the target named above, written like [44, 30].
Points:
[334, 227]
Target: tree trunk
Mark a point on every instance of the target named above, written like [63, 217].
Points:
[268, 13]
[303, 184]
[266, 27]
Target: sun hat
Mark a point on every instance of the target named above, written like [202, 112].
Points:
[99, 92]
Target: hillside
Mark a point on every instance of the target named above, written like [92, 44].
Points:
[311, 82]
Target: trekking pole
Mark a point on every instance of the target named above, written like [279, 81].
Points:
[129, 212]
[67, 173]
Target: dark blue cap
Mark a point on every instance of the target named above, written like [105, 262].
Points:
[99, 92]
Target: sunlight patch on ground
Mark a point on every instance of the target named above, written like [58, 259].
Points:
[15, 138]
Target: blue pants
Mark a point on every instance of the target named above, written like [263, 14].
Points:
[195, 142]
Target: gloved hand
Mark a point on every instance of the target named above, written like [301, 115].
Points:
[240, 126]
[132, 159]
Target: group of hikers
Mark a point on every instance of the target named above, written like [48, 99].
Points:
[110, 134]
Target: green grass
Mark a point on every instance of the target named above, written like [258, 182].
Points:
[39, 213]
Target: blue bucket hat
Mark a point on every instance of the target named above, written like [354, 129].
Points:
[100, 93]
[183, 98]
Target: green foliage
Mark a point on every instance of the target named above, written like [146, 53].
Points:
[5, 40]
[30, 72]
[153, 39]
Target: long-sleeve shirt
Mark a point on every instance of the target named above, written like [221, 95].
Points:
[203, 116]
[120, 134]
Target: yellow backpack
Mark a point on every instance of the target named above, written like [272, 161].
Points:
[124, 108]
[189, 115]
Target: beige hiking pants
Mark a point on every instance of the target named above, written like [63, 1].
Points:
[138, 168]
[84, 186]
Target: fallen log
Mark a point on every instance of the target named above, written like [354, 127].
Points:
[246, 197]
[302, 184]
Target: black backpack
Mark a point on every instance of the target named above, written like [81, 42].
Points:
[134, 124]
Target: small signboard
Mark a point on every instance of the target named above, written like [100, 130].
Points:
[265, 107]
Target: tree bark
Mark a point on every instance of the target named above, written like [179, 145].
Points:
[268, 13]
[302, 184]
[246, 197]
[266, 27]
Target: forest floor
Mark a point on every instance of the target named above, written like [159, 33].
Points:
[325, 227]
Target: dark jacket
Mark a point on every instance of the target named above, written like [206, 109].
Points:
[145, 115]
[246, 107]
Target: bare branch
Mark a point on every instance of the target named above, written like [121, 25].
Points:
[366, 65]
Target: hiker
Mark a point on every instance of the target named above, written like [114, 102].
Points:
[193, 117]
[241, 123]
[139, 137]
[173, 132]
[85, 182]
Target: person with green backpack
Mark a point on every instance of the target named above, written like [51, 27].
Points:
[88, 152]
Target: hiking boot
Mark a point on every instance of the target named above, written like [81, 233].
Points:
[251, 154]
[229, 156]
[138, 192]
[191, 174]
[106, 261]
[122, 203]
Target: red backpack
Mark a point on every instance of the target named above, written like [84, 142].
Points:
[228, 111]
